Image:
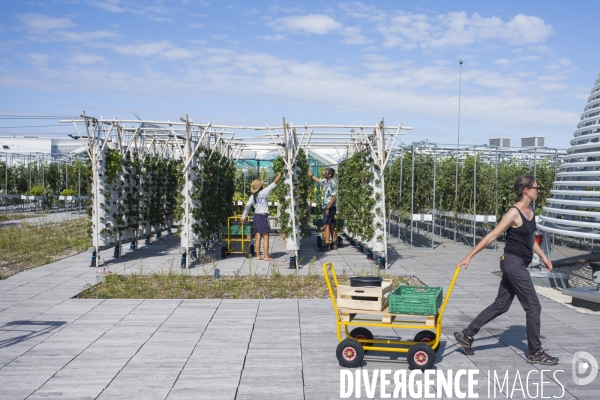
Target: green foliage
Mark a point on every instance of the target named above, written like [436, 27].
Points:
[303, 186]
[355, 202]
[280, 193]
[494, 195]
[68, 192]
[112, 165]
[36, 191]
[215, 191]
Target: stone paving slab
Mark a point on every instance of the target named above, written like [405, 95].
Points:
[53, 346]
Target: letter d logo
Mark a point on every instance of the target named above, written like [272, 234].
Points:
[582, 363]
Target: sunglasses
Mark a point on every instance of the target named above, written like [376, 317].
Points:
[534, 187]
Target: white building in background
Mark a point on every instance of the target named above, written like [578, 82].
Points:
[502, 142]
[19, 150]
[574, 209]
[533, 141]
[28, 144]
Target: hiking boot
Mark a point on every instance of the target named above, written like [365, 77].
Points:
[464, 342]
[541, 357]
[324, 247]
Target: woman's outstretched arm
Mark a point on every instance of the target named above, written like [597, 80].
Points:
[507, 220]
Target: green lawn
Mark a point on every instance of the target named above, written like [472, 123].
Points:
[184, 286]
[27, 246]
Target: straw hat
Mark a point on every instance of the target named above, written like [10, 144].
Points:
[256, 185]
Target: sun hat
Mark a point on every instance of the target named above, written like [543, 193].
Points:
[256, 185]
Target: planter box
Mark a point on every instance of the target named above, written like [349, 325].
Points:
[67, 197]
[345, 292]
[24, 197]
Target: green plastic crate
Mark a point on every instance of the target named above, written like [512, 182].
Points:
[237, 229]
[416, 300]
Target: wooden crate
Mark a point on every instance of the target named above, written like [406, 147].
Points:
[348, 314]
[345, 292]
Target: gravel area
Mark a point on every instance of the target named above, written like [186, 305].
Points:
[556, 295]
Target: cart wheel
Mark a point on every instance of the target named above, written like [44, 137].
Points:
[340, 242]
[420, 356]
[223, 252]
[362, 333]
[319, 241]
[251, 250]
[350, 353]
[426, 337]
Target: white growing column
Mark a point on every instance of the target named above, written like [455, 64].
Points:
[574, 209]
[99, 205]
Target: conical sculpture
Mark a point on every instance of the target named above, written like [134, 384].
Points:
[574, 209]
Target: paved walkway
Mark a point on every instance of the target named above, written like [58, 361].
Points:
[53, 346]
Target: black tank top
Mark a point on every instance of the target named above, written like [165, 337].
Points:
[519, 241]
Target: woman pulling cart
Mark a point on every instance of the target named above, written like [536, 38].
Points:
[519, 224]
[259, 199]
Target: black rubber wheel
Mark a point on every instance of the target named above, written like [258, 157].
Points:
[420, 356]
[223, 252]
[362, 333]
[426, 337]
[340, 242]
[350, 353]
[251, 250]
[319, 242]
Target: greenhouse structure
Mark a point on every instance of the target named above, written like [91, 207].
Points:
[145, 178]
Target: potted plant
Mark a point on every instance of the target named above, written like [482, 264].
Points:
[68, 194]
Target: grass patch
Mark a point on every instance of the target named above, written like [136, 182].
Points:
[15, 217]
[26, 246]
[174, 285]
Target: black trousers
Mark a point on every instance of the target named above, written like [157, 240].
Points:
[515, 281]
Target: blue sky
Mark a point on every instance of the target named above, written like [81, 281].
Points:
[528, 66]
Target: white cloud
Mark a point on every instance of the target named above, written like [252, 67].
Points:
[70, 36]
[108, 5]
[378, 85]
[87, 59]
[195, 25]
[353, 35]
[273, 38]
[318, 24]
[40, 59]
[363, 12]
[163, 49]
[455, 29]
[155, 12]
[42, 23]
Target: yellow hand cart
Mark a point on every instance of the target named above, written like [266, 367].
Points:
[232, 237]
[351, 350]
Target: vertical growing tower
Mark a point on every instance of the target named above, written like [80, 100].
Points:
[574, 209]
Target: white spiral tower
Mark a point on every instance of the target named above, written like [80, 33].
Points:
[574, 209]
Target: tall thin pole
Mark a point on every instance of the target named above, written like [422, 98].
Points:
[433, 211]
[459, 95]
[474, 196]
[412, 196]
[457, 147]
[534, 169]
[79, 184]
[400, 192]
